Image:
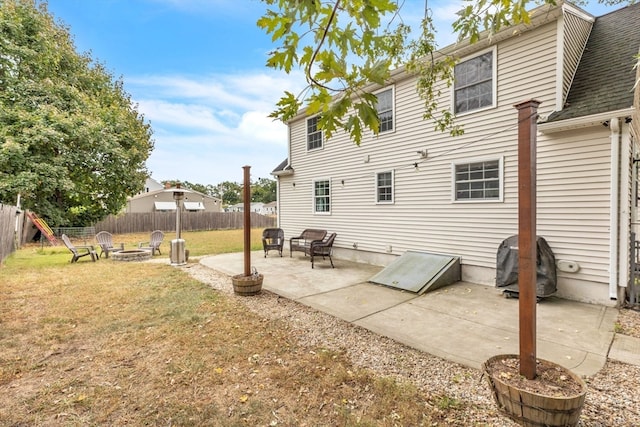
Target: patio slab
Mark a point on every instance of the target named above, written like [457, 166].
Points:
[464, 322]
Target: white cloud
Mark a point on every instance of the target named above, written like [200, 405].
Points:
[257, 124]
[206, 128]
[187, 117]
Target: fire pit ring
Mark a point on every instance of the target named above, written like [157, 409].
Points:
[131, 255]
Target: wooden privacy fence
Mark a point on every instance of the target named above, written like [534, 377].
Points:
[189, 221]
[9, 236]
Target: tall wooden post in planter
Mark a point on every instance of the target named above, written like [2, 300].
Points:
[561, 403]
[248, 283]
[527, 117]
[247, 220]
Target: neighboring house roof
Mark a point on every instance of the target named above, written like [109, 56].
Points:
[170, 191]
[605, 78]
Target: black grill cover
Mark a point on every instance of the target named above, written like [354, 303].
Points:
[507, 267]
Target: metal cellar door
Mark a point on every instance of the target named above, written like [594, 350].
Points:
[419, 272]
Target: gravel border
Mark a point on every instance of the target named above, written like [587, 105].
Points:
[613, 398]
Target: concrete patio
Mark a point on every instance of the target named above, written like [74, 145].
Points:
[464, 322]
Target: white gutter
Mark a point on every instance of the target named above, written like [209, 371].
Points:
[614, 125]
[584, 121]
[626, 201]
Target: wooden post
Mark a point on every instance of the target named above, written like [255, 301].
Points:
[247, 220]
[527, 247]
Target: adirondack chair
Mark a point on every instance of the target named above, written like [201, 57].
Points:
[105, 240]
[322, 248]
[154, 242]
[272, 238]
[79, 251]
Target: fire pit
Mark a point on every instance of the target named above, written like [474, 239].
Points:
[131, 255]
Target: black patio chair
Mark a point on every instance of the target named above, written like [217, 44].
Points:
[272, 238]
[322, 248]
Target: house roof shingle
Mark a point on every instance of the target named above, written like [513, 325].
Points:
[282, 168]
[605, 77]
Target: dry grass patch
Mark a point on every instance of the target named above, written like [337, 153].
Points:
[112, 343]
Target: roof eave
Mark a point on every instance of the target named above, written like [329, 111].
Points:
[584, 121]
[539, 16]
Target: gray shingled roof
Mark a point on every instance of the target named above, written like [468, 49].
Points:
[605, 77]
[283, 166]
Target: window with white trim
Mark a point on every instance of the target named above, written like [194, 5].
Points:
[477, 181]
[322, 196]
[314, 134]
[384, 107]
[474, 86]
[384, 187]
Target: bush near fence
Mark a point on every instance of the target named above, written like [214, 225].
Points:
[189, 221]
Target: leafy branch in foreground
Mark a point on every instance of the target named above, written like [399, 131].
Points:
[343, 49]
[346, 47]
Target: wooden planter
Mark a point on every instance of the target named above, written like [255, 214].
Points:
[247, 285]
[532, 409]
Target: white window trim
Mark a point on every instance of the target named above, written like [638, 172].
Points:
[393, 108]
[306, 134]
[494, 82]
[500, 198]
[313, 196]
[393, 188]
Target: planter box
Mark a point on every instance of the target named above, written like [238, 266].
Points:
[533, 409]
[247, 285]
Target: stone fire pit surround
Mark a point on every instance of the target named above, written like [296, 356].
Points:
[131, 255]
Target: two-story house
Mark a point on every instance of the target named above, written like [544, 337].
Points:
[412, 188]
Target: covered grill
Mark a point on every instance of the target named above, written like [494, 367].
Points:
[507, 267]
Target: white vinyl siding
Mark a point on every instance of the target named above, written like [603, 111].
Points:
[384, 108]
[574, 193]
[475, 83]
[322, 196]
[314, 134]
[574, 38]
[423, 216]
[573, 174]
[384, 187]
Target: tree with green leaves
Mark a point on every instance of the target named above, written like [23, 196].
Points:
[229, 192]
[71, 142]
[264, 190]
[345, 47]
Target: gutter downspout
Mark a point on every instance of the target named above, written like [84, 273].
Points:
[624, 233]
[614, 125]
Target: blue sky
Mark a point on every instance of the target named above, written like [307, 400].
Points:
[196, 70]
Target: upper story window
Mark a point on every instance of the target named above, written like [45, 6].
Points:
[314, 134]
[475, 85]
[477, 181]
[384, 187]
[322, 196]
[385, 110]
